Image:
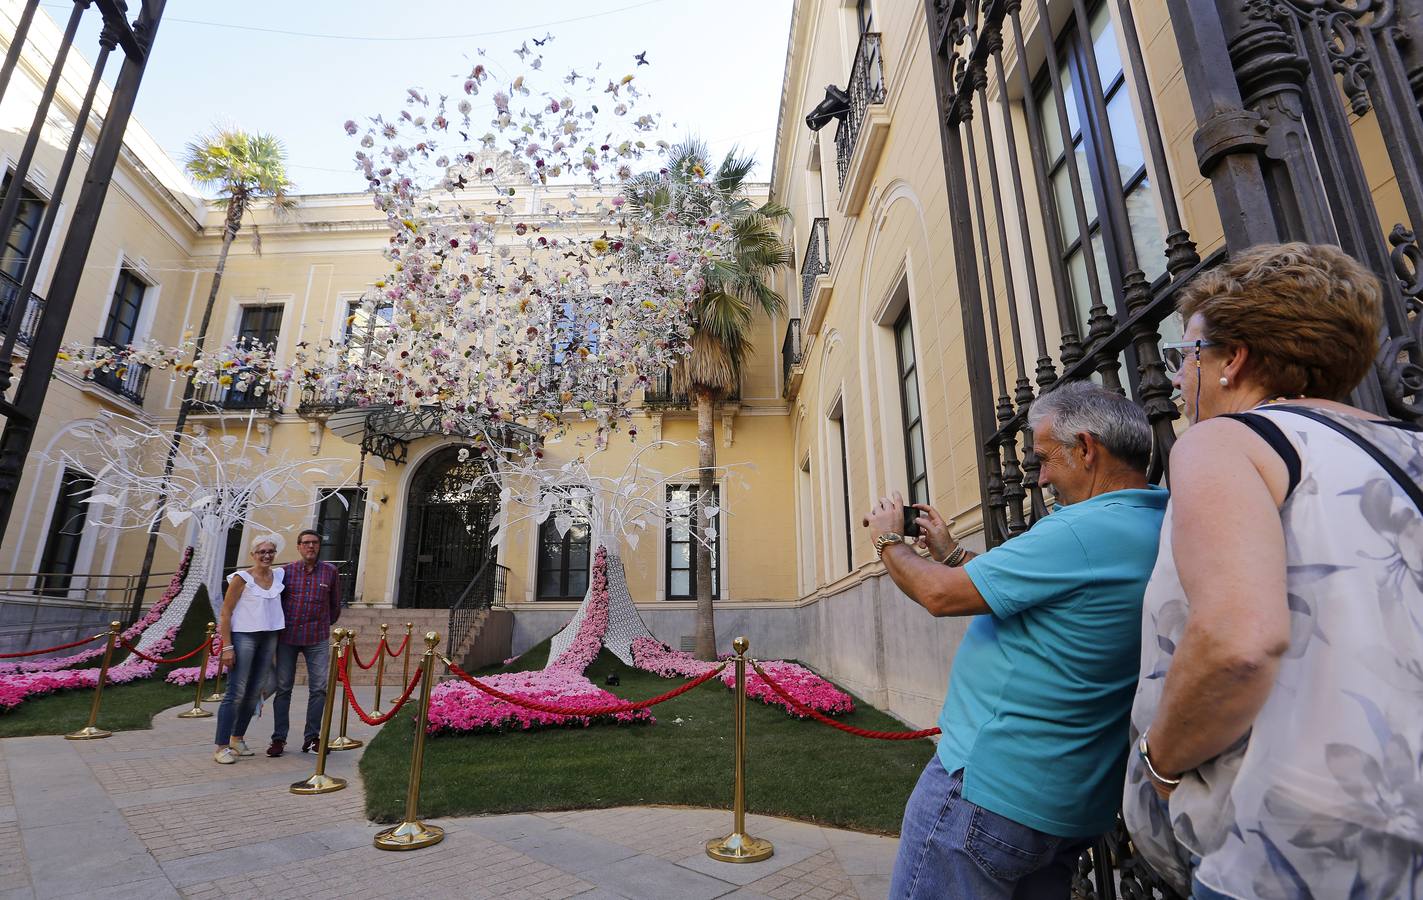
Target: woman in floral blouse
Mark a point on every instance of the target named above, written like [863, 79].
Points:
[1278, 724]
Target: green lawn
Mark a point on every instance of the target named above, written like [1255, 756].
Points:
[799, 769]
[125, 707]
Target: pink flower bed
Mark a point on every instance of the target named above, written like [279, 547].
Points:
[16, 688]
[456, 706]
[132, 633]
[189, 674]
[805, 686]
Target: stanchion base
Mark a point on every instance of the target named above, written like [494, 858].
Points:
[197, 712]
[739, 848]
[213, 698]
[344, 743]
[408, 836]
[87, 733]
[319, 784]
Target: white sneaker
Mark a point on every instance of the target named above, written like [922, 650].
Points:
[240, 747]
[226, 756]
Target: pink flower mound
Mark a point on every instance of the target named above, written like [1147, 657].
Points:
[589, 640]
[175, 586]
[456, 706]
[189, 674]
[804, 685]
[459, 707]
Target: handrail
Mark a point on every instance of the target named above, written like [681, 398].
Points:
[815, 262]
[463, 609]
[866, 86]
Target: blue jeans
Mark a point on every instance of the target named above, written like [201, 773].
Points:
[318, 657]
[252, 652]
[949, 847]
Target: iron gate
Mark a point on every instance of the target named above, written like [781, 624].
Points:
[447, 539]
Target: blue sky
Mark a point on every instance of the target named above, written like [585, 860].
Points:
[300, 68]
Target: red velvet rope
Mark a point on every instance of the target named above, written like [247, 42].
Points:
[351, 649]
[53, 649]
[826, 720]
[365, 717]
[398, 650]
[160, 660]
[609, 710]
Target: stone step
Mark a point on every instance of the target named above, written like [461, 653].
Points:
[366, 622]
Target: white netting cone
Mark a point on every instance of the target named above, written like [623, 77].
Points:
[198, 573]
[624, 622]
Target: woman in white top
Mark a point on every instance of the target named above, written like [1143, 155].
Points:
[1279, 717]
[250, 621]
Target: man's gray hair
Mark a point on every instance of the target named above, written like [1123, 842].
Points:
[1081, 407]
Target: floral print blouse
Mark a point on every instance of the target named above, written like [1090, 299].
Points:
[1324, 797]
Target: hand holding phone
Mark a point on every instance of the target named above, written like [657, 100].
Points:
[911, 522]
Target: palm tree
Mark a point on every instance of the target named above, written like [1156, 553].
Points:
[737, 286]
[242, 169]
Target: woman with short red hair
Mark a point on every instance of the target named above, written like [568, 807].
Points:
[1278, 725]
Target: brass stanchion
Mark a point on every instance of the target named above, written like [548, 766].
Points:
[412, 833]
[342, 741]
[405, 669]
[740, 847]
[92, 731]
[197, 712]
[216, 695]
[320, 782]
[380, 666]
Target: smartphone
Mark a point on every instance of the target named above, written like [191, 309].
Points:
[911, 522]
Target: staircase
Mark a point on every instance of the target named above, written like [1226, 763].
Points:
[366, 622]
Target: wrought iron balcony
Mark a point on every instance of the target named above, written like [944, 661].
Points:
[661, 394]
[862, 128]
[129, 381]
[317, 402]
[238, 397]
[29, 318]
[792, 359]
[815, 290]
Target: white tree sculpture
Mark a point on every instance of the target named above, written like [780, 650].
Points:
[216, 483]
[619, 508]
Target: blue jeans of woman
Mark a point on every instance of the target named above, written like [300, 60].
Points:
[949, 847]
[252, 652]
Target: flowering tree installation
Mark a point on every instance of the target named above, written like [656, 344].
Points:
[617, 507]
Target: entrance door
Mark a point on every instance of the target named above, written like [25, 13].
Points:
[447, 530]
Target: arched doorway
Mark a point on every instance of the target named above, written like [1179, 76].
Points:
[447, 520]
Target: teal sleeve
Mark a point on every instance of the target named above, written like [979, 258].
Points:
[1044, 564]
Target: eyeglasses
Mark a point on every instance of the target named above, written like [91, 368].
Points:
[266, 553]
[1173, 354]
[309, 543]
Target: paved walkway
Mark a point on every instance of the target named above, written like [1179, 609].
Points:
[148, 814]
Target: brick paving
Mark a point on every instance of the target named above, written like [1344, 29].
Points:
[148, 814]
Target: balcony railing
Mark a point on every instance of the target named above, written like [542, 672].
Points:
[237, 397]
[660, 393]
[129, 381]
[792, 351]
[816, 262]
[318, 401]
[29, 319]
[866, 87]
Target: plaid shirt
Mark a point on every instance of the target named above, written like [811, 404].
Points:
[311, 602]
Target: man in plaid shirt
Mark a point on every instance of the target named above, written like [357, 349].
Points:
[311, 602]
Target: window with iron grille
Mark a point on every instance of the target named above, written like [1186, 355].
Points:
[66, 531]
[910, 412]
[563, 558]
[121, 328]
[681, 576]
[20, 242]
[1086, 150]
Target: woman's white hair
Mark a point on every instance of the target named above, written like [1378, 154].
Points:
[267, 538]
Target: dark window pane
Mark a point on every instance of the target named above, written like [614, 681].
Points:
[20, 242]
[66, 531]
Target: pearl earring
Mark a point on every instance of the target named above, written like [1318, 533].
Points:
[1224, 382]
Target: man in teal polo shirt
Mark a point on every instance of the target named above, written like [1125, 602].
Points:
[1030, 765]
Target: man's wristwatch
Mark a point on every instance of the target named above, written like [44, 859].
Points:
[887, 539]
[1145, 752]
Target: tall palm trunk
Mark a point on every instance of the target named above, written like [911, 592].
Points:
[706, 483]
[235, 208]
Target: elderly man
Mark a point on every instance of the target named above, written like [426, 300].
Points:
[312, 604]
[1030, 765]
